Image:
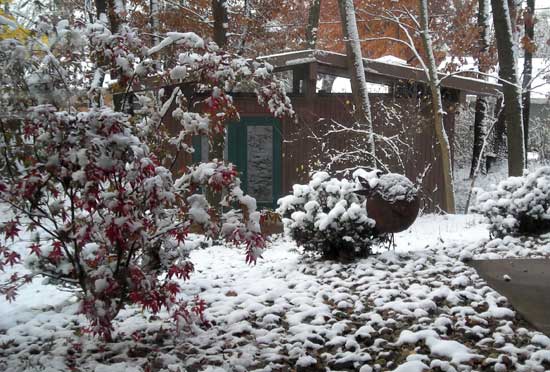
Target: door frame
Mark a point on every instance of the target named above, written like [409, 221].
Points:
[237, 152]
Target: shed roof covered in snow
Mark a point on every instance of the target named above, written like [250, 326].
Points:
[378, 71]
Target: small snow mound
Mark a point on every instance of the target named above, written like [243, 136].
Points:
[453, 350]
[541, 340]
[412, 366]
[306, 361]
[122, 366]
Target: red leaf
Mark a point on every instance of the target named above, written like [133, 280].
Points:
[172, 287]
[11, 229]
[56, 255]
[13, 258]
[180, 271]
[10, 293]
[35, 248]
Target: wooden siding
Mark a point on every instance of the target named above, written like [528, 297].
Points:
[413, 120]
[300, 149]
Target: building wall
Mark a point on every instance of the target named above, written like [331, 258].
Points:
[307, 146]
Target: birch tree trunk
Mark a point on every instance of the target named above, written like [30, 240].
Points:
[481, 102]
[356, 69]
[507, 48]
[437, 108]
[153, 20]
[529, 22]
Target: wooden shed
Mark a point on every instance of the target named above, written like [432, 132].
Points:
[274, 154]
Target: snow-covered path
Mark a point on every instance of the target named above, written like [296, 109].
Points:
[418, 308]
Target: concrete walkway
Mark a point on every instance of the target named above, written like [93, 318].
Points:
[528, 286]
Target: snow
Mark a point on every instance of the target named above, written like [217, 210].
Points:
[431, 229]
[403, 310]
[541, 340]
[393, 186]
[299, 61]
[516, 200]
[306, 361]
[8, 22]
[187, 39]
[343, 85]
[540, 92]
[178, 73]
[391, 60]
[412, 366]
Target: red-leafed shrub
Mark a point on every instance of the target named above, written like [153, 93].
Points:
[94, 187]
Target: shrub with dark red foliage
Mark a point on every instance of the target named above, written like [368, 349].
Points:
[94, 188]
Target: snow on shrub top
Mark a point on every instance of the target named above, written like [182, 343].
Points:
[518, 204]
[327, 216]
[323, 201]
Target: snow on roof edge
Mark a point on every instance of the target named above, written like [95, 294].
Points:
[314, 52]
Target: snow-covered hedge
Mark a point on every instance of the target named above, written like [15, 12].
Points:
[519, 205]
[326, 216]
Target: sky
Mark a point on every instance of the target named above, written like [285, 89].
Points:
[542, 4]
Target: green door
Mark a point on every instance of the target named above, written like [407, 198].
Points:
[254, 146]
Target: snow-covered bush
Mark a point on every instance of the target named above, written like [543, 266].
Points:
[518, 205]
[94, 187]
[326, 216]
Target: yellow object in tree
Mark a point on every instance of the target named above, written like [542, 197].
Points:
[9, 28]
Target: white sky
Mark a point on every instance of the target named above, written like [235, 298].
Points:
[542, 4]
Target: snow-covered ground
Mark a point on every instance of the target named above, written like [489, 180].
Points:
[432, 229]
[417, 308]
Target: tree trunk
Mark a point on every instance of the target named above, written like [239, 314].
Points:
[217, 140]
[511, 89]
[529, 22]
[356, 68]
[499, 145]
[500, 128]
[481, 102]
[479, 132]
[312, 29]
[153, 20]
[219, 10]
[244, 32]
[100, 8]
[437, 109]
[107, 9]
